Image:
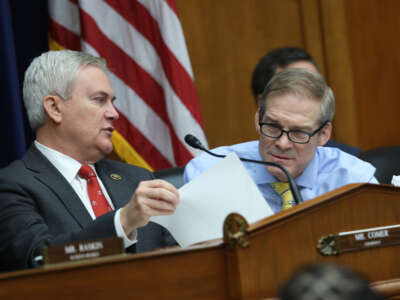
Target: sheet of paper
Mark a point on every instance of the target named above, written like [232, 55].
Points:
[207, 200]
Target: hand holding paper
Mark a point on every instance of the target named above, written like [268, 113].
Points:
[206, 201]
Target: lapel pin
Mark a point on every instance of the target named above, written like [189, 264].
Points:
[115, 176]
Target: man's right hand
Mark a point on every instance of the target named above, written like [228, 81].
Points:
[152, 198]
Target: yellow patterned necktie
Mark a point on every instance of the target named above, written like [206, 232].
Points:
[283, 189]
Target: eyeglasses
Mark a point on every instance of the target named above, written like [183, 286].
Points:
[296, 136]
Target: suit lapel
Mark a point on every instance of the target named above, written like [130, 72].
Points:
[117, 184]
[47, 174]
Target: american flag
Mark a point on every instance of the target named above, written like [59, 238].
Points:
[144, 46]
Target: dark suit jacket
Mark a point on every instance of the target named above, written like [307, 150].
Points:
[38, 207]
[344, 147]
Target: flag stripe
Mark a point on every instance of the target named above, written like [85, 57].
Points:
[125, 151]
[183, 88]
[110, 51]
[147, 88]
[150, 72]
[66, 14]
[182, 154]
[124, 67]
[172, 5]
[143, 118]
[129, 104]
[143, 54]
[171, 30]
[64, 37]
[138, 141]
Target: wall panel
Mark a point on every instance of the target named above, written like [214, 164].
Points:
[225, 39]
[353, 41]
[373, 27]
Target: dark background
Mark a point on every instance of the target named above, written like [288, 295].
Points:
[23, 36]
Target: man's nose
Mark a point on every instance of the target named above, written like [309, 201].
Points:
[112, 112]
[283, 142]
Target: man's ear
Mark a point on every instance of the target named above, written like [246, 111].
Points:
[325, 134]
[52, 107]
[258, 98]
[256, 121]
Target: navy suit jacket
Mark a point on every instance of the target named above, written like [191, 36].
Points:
[38, 207]
[344, 147]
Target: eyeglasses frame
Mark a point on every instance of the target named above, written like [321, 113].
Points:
[310, 135]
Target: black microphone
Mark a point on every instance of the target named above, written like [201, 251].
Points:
[194, 142]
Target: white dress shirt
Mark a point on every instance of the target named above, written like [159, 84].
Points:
[69, 168]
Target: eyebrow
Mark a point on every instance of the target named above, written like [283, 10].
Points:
[104, 94]
[274, 121]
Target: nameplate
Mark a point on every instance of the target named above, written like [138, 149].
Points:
[81, 250]
[335, 244]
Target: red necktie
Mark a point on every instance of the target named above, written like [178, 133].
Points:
[97, 199]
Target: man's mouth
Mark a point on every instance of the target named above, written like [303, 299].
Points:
[109, 129]
[281, 157]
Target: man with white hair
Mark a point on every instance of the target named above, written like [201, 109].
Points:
[63, 189]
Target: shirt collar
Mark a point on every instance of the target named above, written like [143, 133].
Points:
[65, 164]
[307, 179]
[260, 173]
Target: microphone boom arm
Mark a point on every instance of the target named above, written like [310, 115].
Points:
[194, 142]
[293, 186]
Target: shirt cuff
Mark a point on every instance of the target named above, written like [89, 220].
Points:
[128, 241]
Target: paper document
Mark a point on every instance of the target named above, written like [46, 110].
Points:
[207, 200]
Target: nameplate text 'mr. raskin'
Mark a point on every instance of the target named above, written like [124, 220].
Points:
[76, 251]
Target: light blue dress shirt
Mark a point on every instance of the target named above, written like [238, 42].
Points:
[330, 169]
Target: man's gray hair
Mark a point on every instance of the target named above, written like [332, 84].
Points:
[53, 73]
[303, 83]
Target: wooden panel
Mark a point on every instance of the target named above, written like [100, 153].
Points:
[287, 240]
[195, 274]
[278, 245]
[313, 38]
[372, 31]
[389, 288]
[339, 70]
[352, 41]
[225, 39]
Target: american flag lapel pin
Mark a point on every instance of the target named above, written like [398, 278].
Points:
[115, 176]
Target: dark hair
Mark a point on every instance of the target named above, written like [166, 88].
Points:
[280, 57]
[327, 282]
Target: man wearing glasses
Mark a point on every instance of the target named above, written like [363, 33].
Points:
[282, 58]
[294, 118]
